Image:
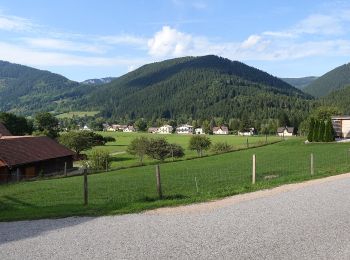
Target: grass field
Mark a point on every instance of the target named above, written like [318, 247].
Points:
[134, 189]
[123, 159]
[77, 114]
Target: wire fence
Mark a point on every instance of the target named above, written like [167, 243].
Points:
[195, 180]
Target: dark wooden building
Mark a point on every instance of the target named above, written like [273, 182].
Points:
[4, 131]
[28, 156]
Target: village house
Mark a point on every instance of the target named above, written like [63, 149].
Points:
[221, 130]
[153, 130]
[23, 157]
[249, 132]
[165, 129]
[184, 129]
[117, 127]
[285, 131]
[341, 126]
[129, 129]
[199, 131]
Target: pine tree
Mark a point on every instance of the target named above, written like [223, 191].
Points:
[329, 132]
[316, 131]
[310, 136]
[322, 131]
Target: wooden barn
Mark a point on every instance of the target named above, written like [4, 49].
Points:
[24, 157]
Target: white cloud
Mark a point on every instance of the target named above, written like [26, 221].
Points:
[252, 41]
[27, 56]
[66, 45]
[169, 42]
[14, 23]
[123, 39]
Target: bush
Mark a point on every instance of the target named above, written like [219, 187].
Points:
[138, 147]
[176, 151]
[221, 147]
[109, 139]
[100, 160]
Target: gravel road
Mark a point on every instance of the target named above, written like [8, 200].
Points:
[293, 222]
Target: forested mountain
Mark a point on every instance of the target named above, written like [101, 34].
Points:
[25, 90]
[197, 87]
[98, 81]
[340, 99]
[335, 79]
[299, 83]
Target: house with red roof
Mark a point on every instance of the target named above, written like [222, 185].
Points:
[24, 157]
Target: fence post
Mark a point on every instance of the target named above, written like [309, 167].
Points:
[17, 174]
[106, 165]
[159, 185]
[312, 164]
[85, 187]
[247, 143]
[65, 169]
[254, 169]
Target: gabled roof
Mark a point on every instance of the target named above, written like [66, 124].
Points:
[4, 131]
[289, 129]
[17, 150]
[223, 128]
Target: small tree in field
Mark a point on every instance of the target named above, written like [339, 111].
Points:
[176, 151]
[138, 147]
[199, 144]
[316, 131]
[158, 149]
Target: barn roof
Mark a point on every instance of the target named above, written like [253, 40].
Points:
[4, 131]
[289, 129]
[17, 150]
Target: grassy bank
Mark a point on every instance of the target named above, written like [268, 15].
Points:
[134, 190]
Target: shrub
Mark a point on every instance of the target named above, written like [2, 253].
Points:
[109, 139]
[100, 160]
[199, 144]
[138, 147]
[221, 147]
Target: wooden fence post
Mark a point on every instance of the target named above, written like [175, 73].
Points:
[312, 164]
[254, 169]
[159, 185]
[65, 169]
[17, 174]
[85, 187]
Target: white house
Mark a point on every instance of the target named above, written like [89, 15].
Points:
[199, 131]
[165, 129]
[184, 129]
[85, 128]
[341, 125]
[119, 127]
[129, 129]
[285, 131]
[221, 130]
[249, 132]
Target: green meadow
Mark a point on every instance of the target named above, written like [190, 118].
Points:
[77, 114]
[183, 182]
[120, 158]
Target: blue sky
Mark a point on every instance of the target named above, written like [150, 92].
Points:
[92, 39]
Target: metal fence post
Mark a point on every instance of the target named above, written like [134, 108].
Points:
[312, 170]
[85, 187]
[254, 169]
[159, 185]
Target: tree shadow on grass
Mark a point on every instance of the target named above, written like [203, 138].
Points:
[165, 197]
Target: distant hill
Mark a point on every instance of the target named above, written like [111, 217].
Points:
[25, 90]
[300, 83]
[196, 87]
[335, 79]
[98, 81]
[340, 99]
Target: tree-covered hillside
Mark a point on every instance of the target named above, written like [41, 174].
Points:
[340, 99]
[25, 90]
[335, 79]
[300, 83]
[197, 87]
